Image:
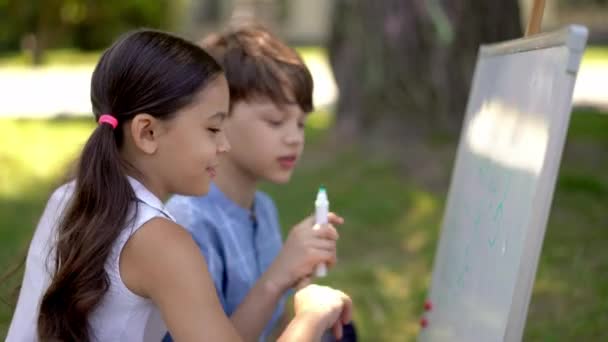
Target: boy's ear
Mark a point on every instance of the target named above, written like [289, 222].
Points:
[145, 131]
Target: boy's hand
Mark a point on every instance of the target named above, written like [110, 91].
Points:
[304, 249]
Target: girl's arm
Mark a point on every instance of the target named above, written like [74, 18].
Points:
[162, 262]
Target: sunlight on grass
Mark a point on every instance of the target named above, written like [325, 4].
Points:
[416, 242]
[415, 222]
[595, 55]
[320, 120]
[313, 53]
[395, 284]
[551, 286]
[32, 152]
[425, 205]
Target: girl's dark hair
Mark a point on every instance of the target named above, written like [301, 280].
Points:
[144, 71]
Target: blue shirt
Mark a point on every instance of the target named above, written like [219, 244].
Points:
[238, 244]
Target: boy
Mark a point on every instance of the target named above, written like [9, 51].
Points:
[270, 96]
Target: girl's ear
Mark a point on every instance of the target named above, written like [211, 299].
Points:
[145, 131]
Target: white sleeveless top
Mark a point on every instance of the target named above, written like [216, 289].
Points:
[121, 315]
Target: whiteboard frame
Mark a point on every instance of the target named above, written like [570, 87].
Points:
[574, 37]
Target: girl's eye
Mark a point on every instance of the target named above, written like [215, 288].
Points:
[214, 130]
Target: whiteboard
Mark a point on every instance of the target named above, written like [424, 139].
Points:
[502, 187]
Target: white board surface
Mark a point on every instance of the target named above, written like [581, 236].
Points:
[502, 187]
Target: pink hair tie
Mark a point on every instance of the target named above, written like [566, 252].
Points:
[109, 119]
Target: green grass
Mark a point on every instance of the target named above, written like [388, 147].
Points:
[33, 155]
[387, 245]
[570, 295]
[590, 128]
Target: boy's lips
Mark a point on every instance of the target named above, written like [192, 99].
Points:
[287, 162]
[211, 171]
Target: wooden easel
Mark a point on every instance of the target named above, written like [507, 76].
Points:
[536, 18]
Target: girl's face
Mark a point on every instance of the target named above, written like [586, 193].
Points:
[189, 146]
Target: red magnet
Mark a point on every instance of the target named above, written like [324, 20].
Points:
[424, 322]
[428, 305]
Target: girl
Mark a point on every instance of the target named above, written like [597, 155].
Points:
[102, 263]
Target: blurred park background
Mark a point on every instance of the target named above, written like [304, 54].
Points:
[391, 84]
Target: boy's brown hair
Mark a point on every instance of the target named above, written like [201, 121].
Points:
[258, 64]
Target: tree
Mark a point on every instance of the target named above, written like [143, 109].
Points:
[404, 68]
[40, 24]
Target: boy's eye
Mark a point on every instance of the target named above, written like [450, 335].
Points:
[274, 123]
[301, 124]
[214, 130]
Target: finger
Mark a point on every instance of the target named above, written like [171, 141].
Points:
[337, 329]
[324, 244]
[347, 310]
[322, 256]
[325, 231]
[302, 227]
[331, 263]
[308, 221]
[326, 253]
[302, 283]
[333, 218]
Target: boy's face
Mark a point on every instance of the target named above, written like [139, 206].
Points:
[266, 140]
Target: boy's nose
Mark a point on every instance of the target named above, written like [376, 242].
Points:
[224, 145]
[294, 139]
[294, 136]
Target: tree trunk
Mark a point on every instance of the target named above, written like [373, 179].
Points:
[47, 23]
[404, 68]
